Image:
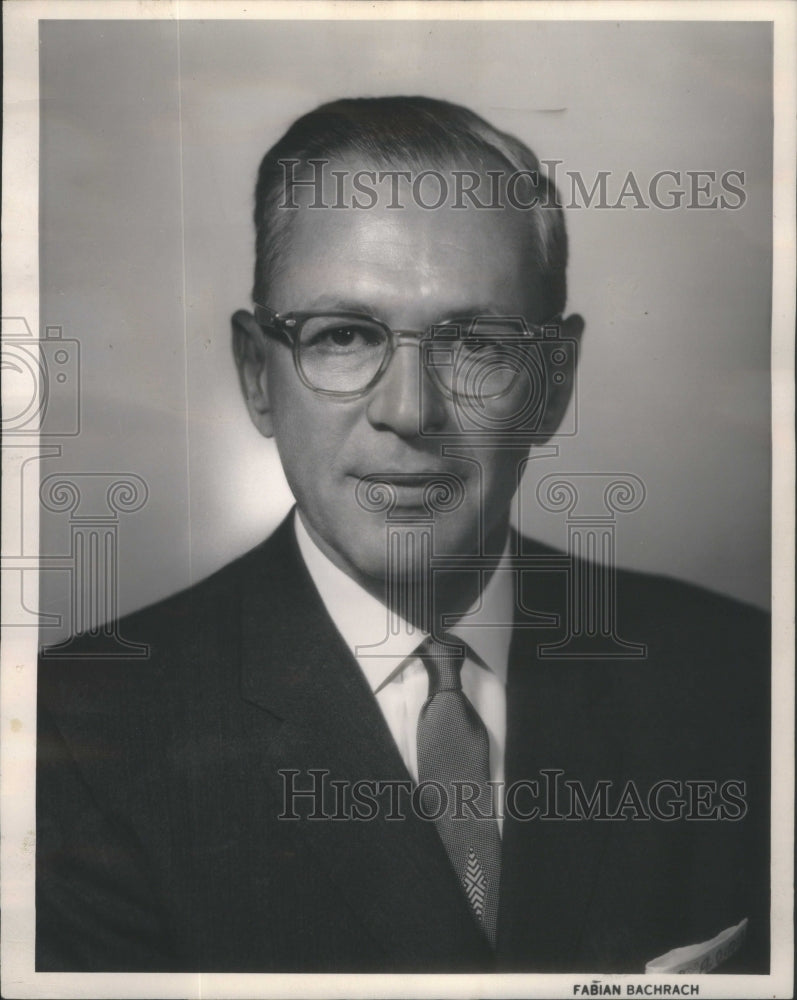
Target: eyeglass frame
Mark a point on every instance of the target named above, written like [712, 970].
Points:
[289, 325]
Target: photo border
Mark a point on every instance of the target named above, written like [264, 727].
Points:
[19, 647]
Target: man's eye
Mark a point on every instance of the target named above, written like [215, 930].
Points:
[346, 337]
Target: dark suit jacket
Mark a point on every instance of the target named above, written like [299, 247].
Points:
[159, 845]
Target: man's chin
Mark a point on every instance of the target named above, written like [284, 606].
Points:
[402, 550]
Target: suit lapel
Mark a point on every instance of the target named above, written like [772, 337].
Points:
[562, 715]
[296, 667]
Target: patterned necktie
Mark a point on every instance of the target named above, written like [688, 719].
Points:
[454, 752]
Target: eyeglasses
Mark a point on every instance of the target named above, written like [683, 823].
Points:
[344, 354]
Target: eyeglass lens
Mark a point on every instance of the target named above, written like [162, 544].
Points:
[479, 359]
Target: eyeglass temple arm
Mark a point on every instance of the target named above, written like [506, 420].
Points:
[272, 321]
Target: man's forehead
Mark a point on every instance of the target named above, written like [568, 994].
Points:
[387, 260]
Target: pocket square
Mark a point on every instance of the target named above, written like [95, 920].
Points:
[702, 957]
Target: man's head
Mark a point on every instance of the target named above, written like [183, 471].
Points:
[345, 225]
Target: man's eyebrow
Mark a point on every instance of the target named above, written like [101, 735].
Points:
[355, 306]
[341, 305]
[471, 312]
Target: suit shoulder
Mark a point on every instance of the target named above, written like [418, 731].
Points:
[691, 625]
[690, 600]
[662, 611]
[204, 600]
[195, 605]
[181, 637]
[687, 659]
[705, 677]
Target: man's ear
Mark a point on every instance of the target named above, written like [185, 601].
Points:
[559, 396]
[249, 350]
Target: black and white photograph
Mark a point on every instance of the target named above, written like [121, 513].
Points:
[398, 499]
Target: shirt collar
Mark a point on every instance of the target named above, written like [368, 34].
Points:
[381, 642]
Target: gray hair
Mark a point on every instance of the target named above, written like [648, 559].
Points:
[398, 132]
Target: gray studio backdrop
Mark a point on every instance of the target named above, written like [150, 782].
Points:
[151, 133]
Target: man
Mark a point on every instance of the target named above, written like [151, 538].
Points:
[349, 749]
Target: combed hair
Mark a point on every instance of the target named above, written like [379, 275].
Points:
[401, 133]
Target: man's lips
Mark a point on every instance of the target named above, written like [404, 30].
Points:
[419, 479]
[409, 489]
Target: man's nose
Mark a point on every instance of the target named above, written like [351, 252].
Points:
[396, 401]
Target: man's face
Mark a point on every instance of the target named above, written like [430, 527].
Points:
[411, 268]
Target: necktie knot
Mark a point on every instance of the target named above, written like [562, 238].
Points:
[443, 665]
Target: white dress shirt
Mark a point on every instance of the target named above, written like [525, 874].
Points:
[398, 679]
